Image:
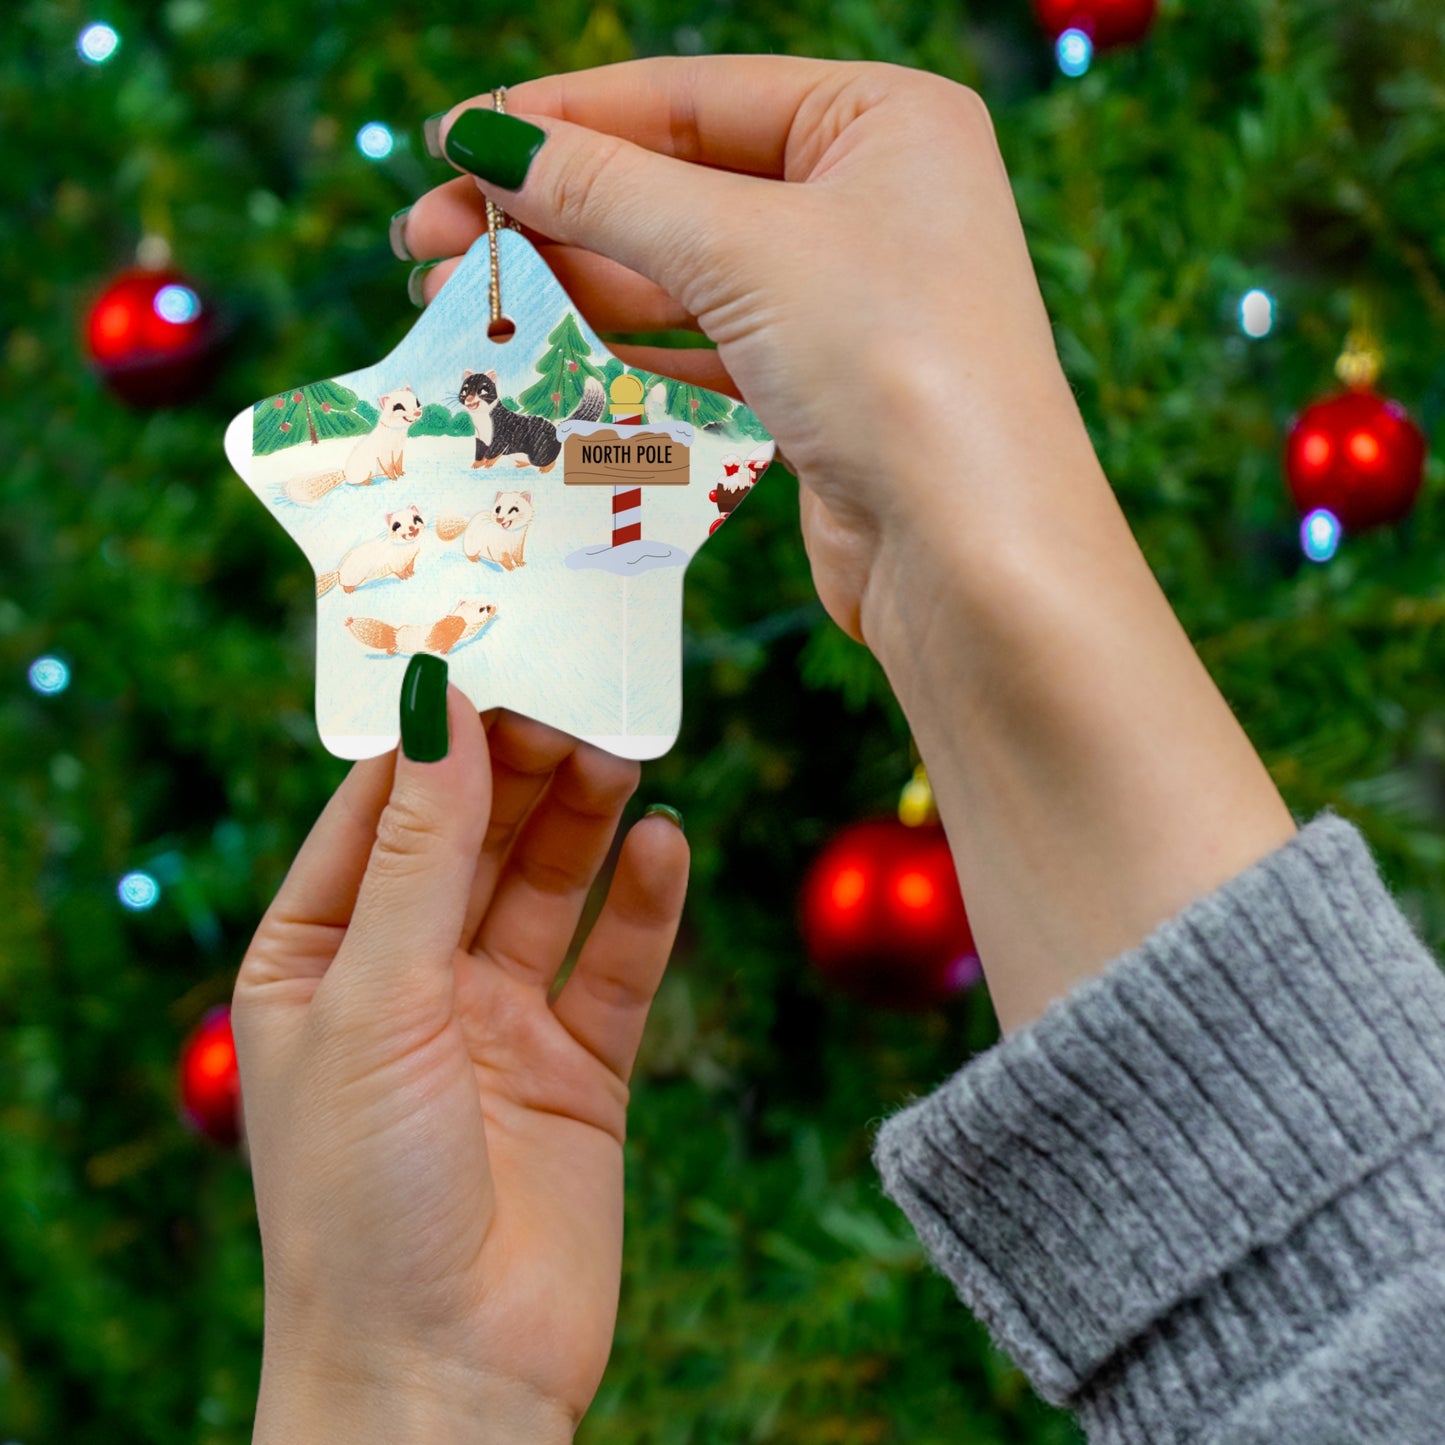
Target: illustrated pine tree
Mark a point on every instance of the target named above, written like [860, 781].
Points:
[693, 404]
[564, 367]
[314, 413]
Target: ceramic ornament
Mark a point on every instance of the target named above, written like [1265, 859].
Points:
[524, 508]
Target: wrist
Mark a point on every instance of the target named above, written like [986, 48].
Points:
[1092, 779]
[984, 524]
[404, 1401]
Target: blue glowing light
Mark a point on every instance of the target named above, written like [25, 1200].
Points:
[177, 304]
[1075, 52]
[375, 141]
[49, 675]
[97, 43]
[1256, 313]
[138, 891]
[1320, 535]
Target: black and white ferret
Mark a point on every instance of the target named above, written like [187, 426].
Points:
[528, 440]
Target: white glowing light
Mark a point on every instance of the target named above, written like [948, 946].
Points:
[1320, 535]
[1256, 313]
[49, 675]
[138, 891]
[97, 43]
[1075, 52]
[177, 304]
[375, 141]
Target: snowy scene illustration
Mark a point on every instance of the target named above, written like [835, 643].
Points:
[526, 509]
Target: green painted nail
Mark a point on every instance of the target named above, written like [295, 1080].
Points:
[424, 737]
[413, 283]
[669, 813]
[431, 133]
[498, 148]
[396, 234]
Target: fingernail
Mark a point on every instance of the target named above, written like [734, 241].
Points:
[498, 148]
[671, 814]
[396, 234]
[431, 133]
[413, 283]
[424, 736]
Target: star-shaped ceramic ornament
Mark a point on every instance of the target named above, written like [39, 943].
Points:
[525, 509]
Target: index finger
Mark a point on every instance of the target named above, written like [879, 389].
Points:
[733, 112]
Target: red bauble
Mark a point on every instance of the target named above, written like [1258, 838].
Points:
[883, 918]
[209, 1081]
[151, 337]
[1359, 456]
[1106, 22]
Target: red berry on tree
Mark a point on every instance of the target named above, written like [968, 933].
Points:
[285, 426]
[280, 402]
[571, 366]
[325, 406]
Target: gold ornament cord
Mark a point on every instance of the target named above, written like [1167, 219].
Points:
[498, 329]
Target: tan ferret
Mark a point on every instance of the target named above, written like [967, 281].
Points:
[378, 454]
[499, 535]
[460, 625]
[393, 554]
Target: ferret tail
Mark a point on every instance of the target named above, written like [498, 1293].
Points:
[310, 490]
[593, 403]
[450, 527]
[326, 581]
[368, 630]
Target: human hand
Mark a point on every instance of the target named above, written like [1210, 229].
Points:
[879, 311]
[438, 1150]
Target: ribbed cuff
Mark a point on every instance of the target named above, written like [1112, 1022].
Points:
[1193, 1163]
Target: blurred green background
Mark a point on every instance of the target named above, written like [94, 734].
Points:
[771, 1292]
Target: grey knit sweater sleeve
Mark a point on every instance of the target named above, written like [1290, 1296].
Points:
[1202, 1199]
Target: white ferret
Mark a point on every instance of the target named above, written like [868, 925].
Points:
[393, 554]
[378, 453]
[499, 534]
[460, 625]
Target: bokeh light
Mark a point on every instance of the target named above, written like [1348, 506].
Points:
[1075, 52]
[49, 675]
[177, 304]
[97, 43]
[1320, 535]
[138, 891]
[1256, 313]
[375, 140]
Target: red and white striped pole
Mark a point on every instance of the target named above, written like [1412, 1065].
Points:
[626, 515]
[626, 395]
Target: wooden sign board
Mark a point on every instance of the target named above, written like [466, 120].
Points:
[624, 457]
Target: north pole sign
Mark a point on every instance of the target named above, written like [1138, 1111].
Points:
[619, 456]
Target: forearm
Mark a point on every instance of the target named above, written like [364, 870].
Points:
[1091, 778]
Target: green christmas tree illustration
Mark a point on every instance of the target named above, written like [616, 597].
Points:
[312, 414]
[564, 368]
[693, 404]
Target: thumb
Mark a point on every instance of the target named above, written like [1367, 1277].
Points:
[666, 219]
[412, 901]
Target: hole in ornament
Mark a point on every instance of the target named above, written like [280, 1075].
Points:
[502, 329]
